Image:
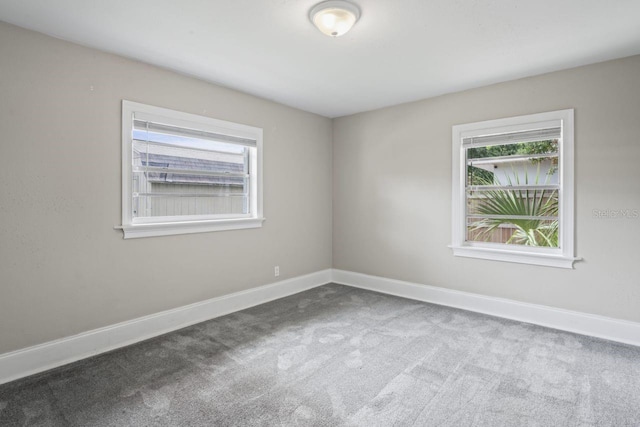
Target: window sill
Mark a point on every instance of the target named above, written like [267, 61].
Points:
[547, 260]
[188, 227]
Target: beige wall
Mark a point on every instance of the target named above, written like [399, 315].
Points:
[63, 269]
[392, 190]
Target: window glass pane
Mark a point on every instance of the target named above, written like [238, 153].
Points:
[184, 204]
[498, 202]
[181, 176]
[525, 163]
[512, 193]
[519, 217]
[543, 233]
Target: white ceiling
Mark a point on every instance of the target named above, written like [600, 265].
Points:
[399, 51]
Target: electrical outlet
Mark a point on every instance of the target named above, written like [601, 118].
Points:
[276, 270]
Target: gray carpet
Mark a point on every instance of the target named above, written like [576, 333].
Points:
[336, 355]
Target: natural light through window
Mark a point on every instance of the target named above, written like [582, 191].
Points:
[184, 173]
[513, 189]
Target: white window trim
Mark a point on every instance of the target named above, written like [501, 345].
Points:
[562, 257]
[133, 229]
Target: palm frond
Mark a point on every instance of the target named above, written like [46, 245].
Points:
[518, 203]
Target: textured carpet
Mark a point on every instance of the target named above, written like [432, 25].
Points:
[336, 355]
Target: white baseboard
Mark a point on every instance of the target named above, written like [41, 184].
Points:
[573, 321]
[42, 357]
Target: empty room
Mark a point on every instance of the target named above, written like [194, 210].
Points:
[319, 213]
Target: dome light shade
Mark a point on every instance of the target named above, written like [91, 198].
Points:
[334, 17]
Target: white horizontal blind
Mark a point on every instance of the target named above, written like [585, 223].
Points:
[145, 125]
[513, 137]
[181, 173]
[523, 193]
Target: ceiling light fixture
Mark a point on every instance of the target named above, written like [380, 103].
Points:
[334, 17]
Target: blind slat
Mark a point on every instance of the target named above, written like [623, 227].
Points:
[143, 125]
[158, 169]
[513, 138]
[508, 159]
[511, 187]
[170, 195]
[525, 217]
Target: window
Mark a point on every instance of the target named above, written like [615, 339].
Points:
[513, 189]
[183, 173]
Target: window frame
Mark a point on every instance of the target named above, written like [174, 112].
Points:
[146, 226]
[563, 256]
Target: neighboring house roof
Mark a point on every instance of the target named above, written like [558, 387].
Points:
[174, 162]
